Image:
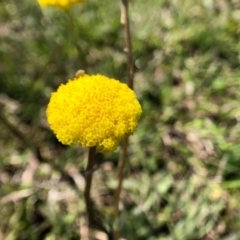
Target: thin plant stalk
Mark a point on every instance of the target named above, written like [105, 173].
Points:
[128, 42]
[73, 32]
[87, 190]
[122, 161]
[95, 218]
[130, 70]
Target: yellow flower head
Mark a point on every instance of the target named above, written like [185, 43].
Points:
[59, 3]
[93, 111]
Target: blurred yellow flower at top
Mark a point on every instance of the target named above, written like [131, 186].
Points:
[93, 111]
[59, 3]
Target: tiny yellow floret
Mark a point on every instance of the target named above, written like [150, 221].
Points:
[93, 111]
[64, 4]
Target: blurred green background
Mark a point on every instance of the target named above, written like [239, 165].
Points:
[183, 171]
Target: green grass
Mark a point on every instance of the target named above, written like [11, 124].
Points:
[183, 171]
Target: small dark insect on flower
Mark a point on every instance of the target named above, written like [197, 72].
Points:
[79, 73]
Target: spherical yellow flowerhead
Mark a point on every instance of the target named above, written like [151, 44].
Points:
[93, 111]
[65, 4]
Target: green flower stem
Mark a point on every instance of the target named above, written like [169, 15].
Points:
[95, 217]
[89, 175]
[122, 161]
[74, 38]
[130, 68]
[128, 41]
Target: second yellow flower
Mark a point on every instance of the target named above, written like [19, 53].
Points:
[65, 4]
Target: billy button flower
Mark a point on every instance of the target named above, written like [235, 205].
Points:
[65, 4]
[93, 111]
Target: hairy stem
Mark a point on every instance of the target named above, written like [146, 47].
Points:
[122, 161]
[74, 38]
[130, 70]
[128, 41]
[87, 190]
